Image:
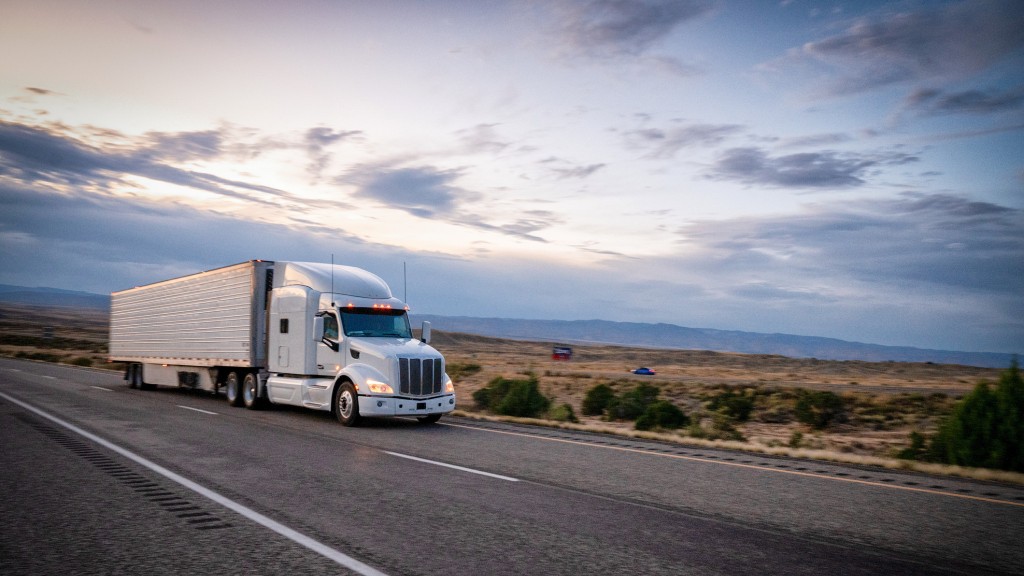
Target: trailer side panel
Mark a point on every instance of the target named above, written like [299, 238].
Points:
[214, 318]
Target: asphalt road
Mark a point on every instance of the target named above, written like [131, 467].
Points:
[98, 478]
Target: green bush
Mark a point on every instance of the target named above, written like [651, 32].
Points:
[736, 406]
[662, 414]
[818, 409]
[916, 448]
[796, 439]
[482, 397]
[457, 371]
[512, 397]
[563, 413]
[632, 404]
[81, 361]
[597, 400]
[720, 427]
[986, 428]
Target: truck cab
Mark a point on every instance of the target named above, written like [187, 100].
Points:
[338, 340]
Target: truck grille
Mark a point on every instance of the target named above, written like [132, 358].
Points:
[420, 377]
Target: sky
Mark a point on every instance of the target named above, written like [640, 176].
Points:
[852, 170]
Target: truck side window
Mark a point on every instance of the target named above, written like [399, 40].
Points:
[284, 325]
[330, 327]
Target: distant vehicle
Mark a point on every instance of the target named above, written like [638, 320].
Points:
[644, 372]
[561, 353]
[326, 337]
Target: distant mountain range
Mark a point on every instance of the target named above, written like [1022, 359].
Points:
[679, 337]
[617, 333]
[53, 297]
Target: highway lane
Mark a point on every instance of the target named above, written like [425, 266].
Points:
[582, 503]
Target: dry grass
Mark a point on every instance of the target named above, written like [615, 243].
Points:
[54, 334]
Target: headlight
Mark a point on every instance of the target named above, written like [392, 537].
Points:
[449, 387]
[378, 387]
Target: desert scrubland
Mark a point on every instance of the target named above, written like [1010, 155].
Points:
[882, 402]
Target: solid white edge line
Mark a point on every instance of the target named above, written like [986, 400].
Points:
[197, 410]
[101, 388]
[291, 534]
[453, 466]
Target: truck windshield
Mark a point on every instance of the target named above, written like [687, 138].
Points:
[375, 322]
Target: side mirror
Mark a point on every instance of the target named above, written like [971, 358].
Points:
[425, 334]
[320, 336]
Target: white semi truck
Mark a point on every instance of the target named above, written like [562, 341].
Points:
[322, 336]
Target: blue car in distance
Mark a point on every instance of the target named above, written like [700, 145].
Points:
[644, 371]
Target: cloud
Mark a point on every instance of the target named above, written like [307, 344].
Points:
[949, 41]
[936, 239]
[664, 143]
[827, 170]
[482, 138]
[933, 101]
[578, 171]
[431, 192]
[674, 66]
[423, 191]
[602, 28]
[886, 267]
[101, 243]
[34, 154]
[815, 140]
[49, 156]
[318, 140]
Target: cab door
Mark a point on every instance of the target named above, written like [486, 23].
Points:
[329, 348]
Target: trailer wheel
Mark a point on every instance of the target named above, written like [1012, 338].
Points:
[232, 389]
[251, 392]
[137, 381]
[129, 375]
[346, 405]
[429, 418]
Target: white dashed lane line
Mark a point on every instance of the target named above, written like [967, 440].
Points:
[453, 467]
[197, 410]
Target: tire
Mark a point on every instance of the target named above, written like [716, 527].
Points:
[429, 419]
[129, 375]
[137, 378]
[346, 404]
[251, 392]
[233, 389]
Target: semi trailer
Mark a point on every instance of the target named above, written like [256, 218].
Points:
[322, 336]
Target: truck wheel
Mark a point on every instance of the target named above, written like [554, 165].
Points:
[251, 392]
[232, 389]
[346, 405]
[129, 375]
[429, 419]
[137, 379]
